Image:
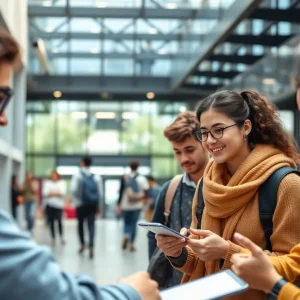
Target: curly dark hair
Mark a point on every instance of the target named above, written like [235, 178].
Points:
[183, 127]
[267, 128]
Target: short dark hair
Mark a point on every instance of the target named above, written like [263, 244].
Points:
[150, 177]
[87, 160]
[134, 164]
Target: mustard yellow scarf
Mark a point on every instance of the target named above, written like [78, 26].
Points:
[227, 197]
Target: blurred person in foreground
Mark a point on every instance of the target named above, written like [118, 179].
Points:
[28, 270]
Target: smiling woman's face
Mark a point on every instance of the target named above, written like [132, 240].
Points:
[230, 145]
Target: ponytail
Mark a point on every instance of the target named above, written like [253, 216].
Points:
[267, 128]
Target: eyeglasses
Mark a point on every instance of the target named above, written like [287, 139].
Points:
[215, 132]
[5, 95]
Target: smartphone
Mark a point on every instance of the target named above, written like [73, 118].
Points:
[215, 286]
[5, 95]
[161, 229]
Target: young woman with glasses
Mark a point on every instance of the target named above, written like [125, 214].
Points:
[247, 142]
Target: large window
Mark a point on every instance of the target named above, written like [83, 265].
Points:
[58, 130]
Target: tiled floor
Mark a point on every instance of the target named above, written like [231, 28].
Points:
[110, 261]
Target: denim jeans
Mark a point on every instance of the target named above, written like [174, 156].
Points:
[88, 213]
[29, 214]
[130, 220]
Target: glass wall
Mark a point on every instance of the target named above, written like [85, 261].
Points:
[67, 128]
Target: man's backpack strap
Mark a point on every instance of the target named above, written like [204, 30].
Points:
[268, 200]
[170, 195]
[200, 205]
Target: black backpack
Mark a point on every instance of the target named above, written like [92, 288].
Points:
[267, 199]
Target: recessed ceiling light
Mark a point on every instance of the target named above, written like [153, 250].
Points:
[269, 81]
[57, 94]
[150, 95]
[79, 115]
[105, 115]
[171, 5]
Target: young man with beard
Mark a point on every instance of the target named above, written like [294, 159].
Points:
[192, 158]
[29, 271]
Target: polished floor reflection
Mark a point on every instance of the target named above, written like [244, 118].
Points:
[110, 261]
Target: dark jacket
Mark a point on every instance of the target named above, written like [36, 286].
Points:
[180, 216]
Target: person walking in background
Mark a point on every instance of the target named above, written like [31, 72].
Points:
[15, 196]
[54, 192]
[30, 194]
[131, 201]
[87, 193]
[152, 193]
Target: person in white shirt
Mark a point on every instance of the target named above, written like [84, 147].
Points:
[131, 202]
[87, 194]
[54, 192]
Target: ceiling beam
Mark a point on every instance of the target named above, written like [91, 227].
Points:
[290, 15]
[115, 36]
[238, 11]
[266, 40]
[120, 12]
[112, 55]
[118, 87]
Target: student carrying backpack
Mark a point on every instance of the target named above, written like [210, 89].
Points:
[132, 193]
[89, 189]
[87, 193]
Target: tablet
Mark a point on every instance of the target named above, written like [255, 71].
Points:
[161, 229]
[214, 286]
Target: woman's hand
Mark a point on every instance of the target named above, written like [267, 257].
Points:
[256, 269]
[171, 246]
[210, 247]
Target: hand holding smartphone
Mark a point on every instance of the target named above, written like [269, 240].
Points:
[161, 229]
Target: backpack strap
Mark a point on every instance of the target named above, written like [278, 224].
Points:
[170, 195]
[268, 200]
[200, 205]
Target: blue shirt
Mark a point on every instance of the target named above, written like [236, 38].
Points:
[28, 271]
